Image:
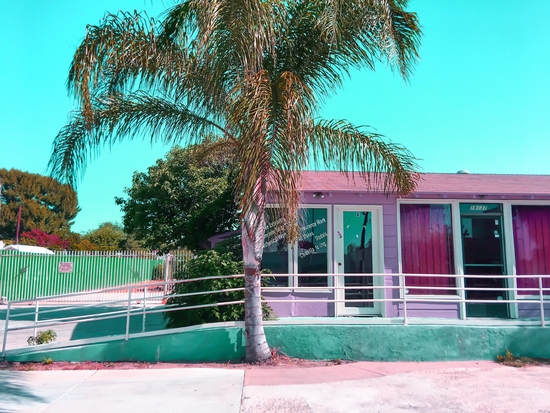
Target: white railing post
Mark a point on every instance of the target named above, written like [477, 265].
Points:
[4, 342]
[167, 262]
[128, 313]
[462, 294]
[143, 309]
[35, 317]
[404, 289]
[541, 300]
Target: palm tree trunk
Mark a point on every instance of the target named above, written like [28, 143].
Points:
[253, 232]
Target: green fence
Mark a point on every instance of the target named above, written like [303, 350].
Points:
[24, 276]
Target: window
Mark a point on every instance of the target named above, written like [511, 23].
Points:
[310, 254]
[427, 247]
[312, 247]
[532, 245]
[275, 255]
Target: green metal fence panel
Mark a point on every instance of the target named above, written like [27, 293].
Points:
[25, 276]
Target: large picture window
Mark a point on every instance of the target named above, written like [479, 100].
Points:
[532, 245]
[312, 247]
[309, 255]
[275, 255]
[427, 247]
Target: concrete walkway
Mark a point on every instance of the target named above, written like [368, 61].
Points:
[482, 386]
[118, 391]
[355, 387]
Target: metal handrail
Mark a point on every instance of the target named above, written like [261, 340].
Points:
[130, 306]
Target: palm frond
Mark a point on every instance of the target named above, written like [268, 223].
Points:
[380, 164]
[216, 149]
[397, 34]
[72, 147]
[119, 117]
[228, 40]
[326, 38]
[124, 49]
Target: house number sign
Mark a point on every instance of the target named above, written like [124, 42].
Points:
[478, 207]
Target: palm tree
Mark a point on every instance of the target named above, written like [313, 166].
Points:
[254, 74]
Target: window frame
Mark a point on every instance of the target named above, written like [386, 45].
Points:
[330, 260]
[512, 246]
[292, 264]
[457, 252]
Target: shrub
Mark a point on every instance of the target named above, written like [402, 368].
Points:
[209, 263]
[232, 245]
[42, 337]
[43, 239]
[158, 272]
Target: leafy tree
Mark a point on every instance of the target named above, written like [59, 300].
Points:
[182, 200]
[46, 204]
[107, 237]
[232, 245]
[77, 242]
[42, 239]
[252, 74]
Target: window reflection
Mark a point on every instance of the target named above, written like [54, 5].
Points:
[275, 255]
[427, 247]
[532, 246]
[312, 247]
[311, 255]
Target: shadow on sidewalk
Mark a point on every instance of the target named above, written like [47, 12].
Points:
[15, 391]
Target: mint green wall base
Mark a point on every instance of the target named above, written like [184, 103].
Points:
[317, 342]
[408, 343]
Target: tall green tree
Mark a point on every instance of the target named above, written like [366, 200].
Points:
[109, 236]
[251, 72]
[184, 199]
[46, 203]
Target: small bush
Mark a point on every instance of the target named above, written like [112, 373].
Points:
[209, 263]
[158, 273]
[513, 361]
[42, 337]
[232, 245]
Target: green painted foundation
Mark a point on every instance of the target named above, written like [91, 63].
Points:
[315, 342]
[408, 343]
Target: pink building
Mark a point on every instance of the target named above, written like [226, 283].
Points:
[462, 246]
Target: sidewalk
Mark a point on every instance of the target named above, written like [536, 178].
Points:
[481, 386]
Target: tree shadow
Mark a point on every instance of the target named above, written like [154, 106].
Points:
[117, 326]
[15, 391]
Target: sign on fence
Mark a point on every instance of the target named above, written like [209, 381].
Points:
[65, 267]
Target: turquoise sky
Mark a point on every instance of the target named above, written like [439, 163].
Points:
[479, 98]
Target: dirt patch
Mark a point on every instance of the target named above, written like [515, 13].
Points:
[513, 361]
[278, 361]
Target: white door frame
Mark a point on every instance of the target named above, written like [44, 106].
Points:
[377, 257]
